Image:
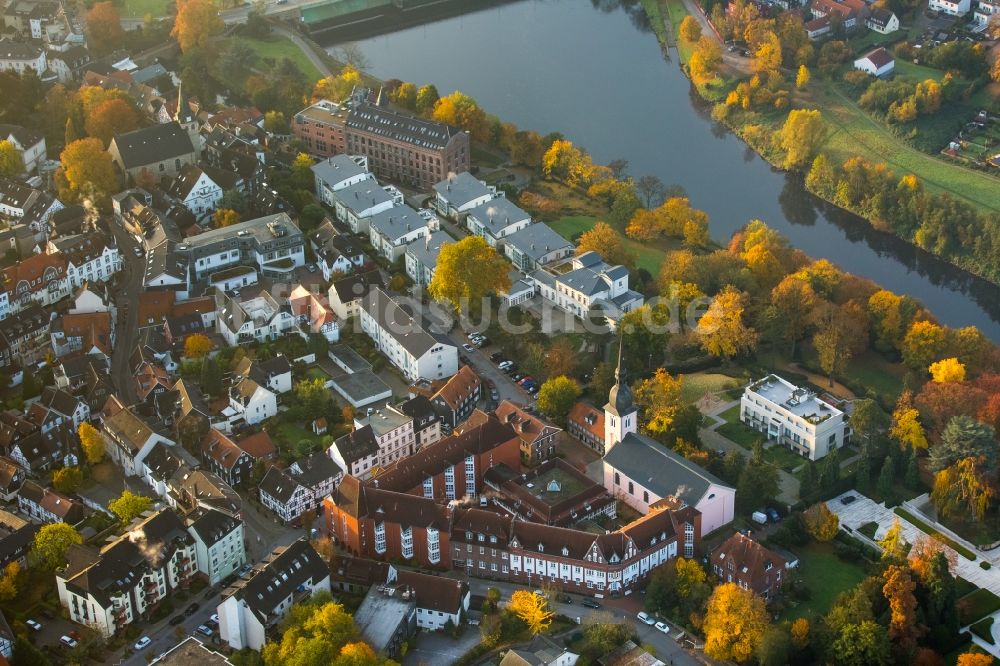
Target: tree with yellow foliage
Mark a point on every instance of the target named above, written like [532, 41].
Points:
[92, 443]
[906, 428]
[792, 301]
[802, 77]
[10, 581]
[660, 399]
[964, 487]
[893, 544]
[898, 590]
[11, 163]
[86, 172]
[690, 29]
[225, 217]
[767, 57]
[197, 345]
[462, 111]
[532, 608]
[564, 161]
[338, 87]
[705, 61]
[802, 135]
[947, 371]
[196, 23]
[735, 622]
[468, 271]
[821, 523]
[605, 241]
[721, 329]
[924, 343]
[800, 633]
[974, 659]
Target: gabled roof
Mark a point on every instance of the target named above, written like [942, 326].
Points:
[126, 427]
[588, 417]
[150, 145]
[750, 558]
[536, 240]
[357, 286]
[459, 189]
[400, 126]
[397, 322]
[527, 426]
[357, 445]
[221, 449]
[434, 593]
[258, 446]
[459, 387]
[315, 469]
[94, 328]
[280, 485]
[279, 576]
[210, 525]
[33, 269]
[497, 214]
[878, 57]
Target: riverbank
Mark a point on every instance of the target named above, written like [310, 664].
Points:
[854, 132]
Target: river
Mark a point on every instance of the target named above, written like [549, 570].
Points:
[594, 71]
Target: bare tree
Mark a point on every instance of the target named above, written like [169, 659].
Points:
[618, 168]
[350, 54]
[652, 190]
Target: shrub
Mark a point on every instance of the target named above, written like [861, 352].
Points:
[985, 565]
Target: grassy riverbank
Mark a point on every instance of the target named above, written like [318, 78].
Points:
[854, 132]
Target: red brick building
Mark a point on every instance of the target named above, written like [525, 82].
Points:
[742, 560]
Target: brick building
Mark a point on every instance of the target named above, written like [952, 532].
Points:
[744, 561]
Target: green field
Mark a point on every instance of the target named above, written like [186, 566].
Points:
[826, 576]
[735, 430]
[140, 8]
[854, 132]
[696, 385]
[783, 458]
[650, 258]
[275, 48]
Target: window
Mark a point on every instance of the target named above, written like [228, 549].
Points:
[631, 488]
[645, 496]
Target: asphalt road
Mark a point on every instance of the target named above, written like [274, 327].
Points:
[165, 637]
[126, 295]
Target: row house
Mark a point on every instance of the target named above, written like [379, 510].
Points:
[38, 453]
[19, 202]
[255, 604]
[17, 537]
[12, 476]
[356, 452]
[318, 473]
[90, 257]
[335, 173]
[56, 407]
[336, 253]
[24, 339]
[124, 581]
[418, 352]
[234, 460]
[40, 279]
[392, 230]
[455, 400]
[314, 313]
[347, 293]
[461, 192]
[421, 256]
[393, 433]
[219, 543]
[496, 220]
[538, 437]
[44, 505]
[22, 57]
[355, 204]
[426, 422]
[92, 333]
[129, 438]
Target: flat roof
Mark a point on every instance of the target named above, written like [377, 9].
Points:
[799, 401]
[380, 615]
[361, 388]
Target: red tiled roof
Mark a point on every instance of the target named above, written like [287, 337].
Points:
[154, 305]
[579, 415]
[32, 270]
[879, 57]
[258, 445]
[527, 426]
[93, 327]
[461, 385]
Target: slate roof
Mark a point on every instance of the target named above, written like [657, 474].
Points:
[393, 319]
[497, 214]
[659, 469]
[128, 428]
[210, 525]
[150, 145]
[434, 593]
[357, 444]
[461, 188]
[337, 169]
[24, 136]
[400, 126]
[357, 286]
[280, 485]
[536, 240]
[315, 469]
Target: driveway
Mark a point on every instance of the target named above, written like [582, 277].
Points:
[439, 648]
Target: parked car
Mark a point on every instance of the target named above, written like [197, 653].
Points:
[645, 619]
[503, 365]
[214, 618]
[482, 342]
[33, 625]
[142, 643]
[773, 515]
[137, 251]
[517, 376]
[204, 630]
[175, 620]
[848, 499]
[191, 610]
[311, 268]
[759, 517]
[662, 626]
[467, 347]
[67, 641]
[494, 396]
[590, 603]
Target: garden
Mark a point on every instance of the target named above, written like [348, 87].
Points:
[825, 575]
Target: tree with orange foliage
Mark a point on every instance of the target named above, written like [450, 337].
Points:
[225, 217]
[735, 622]
[104, 27]
[898, 590]
[197, 345]
[196, 23]
[800, 633]
[605, 241]
[110, 117]
[974, 659]
[821, 523]
[358, 653]
[947, 370]
[86, 172]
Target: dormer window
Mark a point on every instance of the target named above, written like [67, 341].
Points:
[565, 551]
[541, 548]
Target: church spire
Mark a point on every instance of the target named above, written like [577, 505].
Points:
[620, 368]
[620, 414]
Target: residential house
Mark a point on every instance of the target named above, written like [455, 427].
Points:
[356, 453]
[356, 575]
[224, 457]
[393, 432]
[538, 437]
[285, 495]
[496, 219]
[21, 57]
[882, 21]
[24, 339]
[273, 244]
[347, 293]
[851, 12]
[318, 473]
[250, 403]
[255, 604]
[41, 278]
[30, 144]
[742, 560]
[90, 257]
[588, 286]
[36, 453]
[336, 253]
[957, 8]
[586, 423]
[259, 318]
[422, 255]
[219, 543]
[426, 422]
[796, 418]
[195, 189]
[274, 374]
[460, 394]
[44, 505]
[535, 246]
[439, 600]
[543, 651]
[335, 173]
[160, 150]
[313, 312]
[354, 204]
[129, 439]
[460, 193]
[877, 62]
[985, 10]
[90, 333]
[125, 581]
[418, 352]
[387, 618]
[391, 230]
[17, 537]
[56, 407]
[12, 476]
[817, 27]
[22, 204]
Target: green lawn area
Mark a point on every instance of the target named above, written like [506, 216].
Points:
[289, 434]
[139, 8]
[854, 132]
[784, 459]
[927, 529]
[918, 72]
[696, 385]
[646, 256]
[826, 576]
[316, 372]
[977, 605]
[883, 377]
[963, 587]
[734, 429]
[275, 48]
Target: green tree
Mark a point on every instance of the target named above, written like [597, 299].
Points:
[774, 647]
[467, 271]
[11, 163]
[557, 396]
[758, 483]
[129, 506]
[302, 175]
[67, 479]
[427, 98]
[51, 543]
[885, 479]
[964, 437]
[867, 419]
[863, 644]
[211, 377]
[26, 654]
[830, 471]
[912, 478]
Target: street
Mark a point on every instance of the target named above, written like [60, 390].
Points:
[126, 296]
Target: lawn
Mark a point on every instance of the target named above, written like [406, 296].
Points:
[275, 48]
[696, 385]
[826, 576]
[918, 72]
[927, 529]
[646, 256]
[783, 458]
[140, 8]
[854, 132]
[287, 435]
[316, 372]
[963, 587]
[733, 429]
[977, 605]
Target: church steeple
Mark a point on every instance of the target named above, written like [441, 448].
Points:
[620, 414]
[184, 117]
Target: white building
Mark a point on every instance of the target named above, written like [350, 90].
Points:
[439, 600]
[391, 230]
[260, 601]
[129, 439]
[337, 172]
[285, 495]
[959, 8]
[882, 21]
[259, 318]
[393, 432]
[20, 57]
[417, 352]
[356, 453]
[90, 257]
[422, 255]
[496, 219]
[589, 286]
[127, 579]
[196, 191]
[536, 245]
[794, 417]
[219, 543]
[460, 193]
[336, 253]
[30, 144]
[878, 62]
[274, 244]
[354, 204]
[250, 403]
[985, 10]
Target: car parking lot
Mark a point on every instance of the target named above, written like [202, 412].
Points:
[498, 386]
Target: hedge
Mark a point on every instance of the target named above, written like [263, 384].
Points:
[977, 605]
[983, 629]
[927, 529]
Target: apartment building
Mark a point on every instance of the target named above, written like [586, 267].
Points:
[588, 286]
[257, 603]
[535, 246]
[218, 543]
[273, 244]
[496, 219]
[393, 433]
[29, 144]
[460, 193]
[455, 401]
[422, 255]
[261, 318]
[335, 173]
[796, 418]
[538, 437]
[418, 352]
[354, 204]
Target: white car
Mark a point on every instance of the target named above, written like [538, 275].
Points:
[214, 618]
[204, 630]
[35, 626]
[142, 643]
[67, 641]
[662, 626]
[467, 347]
[645, 619]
